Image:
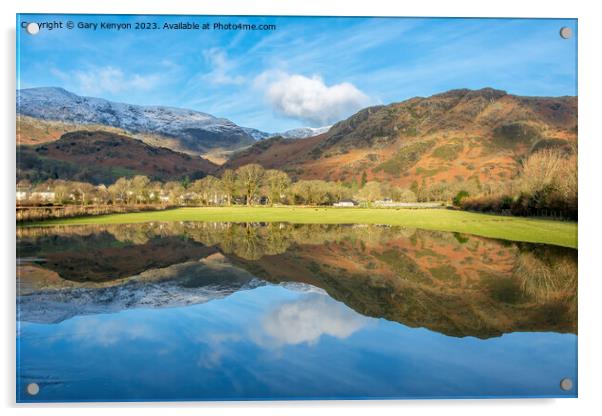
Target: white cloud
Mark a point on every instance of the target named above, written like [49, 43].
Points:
[217, 347]
[307, 319]
[309, 99]
[221, 68]
[98, 80]
[109, 332]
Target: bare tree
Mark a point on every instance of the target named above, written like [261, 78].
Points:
[548, 167]
[311, 192]
[404, 195]
[371, 192]
[338, 191]
[208, 190]
[154, 192]
[83, 191]
[119, 190]
[277, 184]
[61, 192]
[101, 194]
[140, 185]
[250, 178]
[229, 185]
[175, 191]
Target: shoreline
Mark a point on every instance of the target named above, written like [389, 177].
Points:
[532, 230]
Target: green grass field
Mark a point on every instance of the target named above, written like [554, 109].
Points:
[509, 228]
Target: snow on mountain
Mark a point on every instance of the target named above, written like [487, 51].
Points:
[298, 133]
[197, 131]
[303, 132]
[189, 283]
[257, 134]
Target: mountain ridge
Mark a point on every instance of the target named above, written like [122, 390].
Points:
[455, 135]
[303, 132]
[195, 131]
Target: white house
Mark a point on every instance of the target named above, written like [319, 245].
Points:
[345, 203]
[21, 195]
[47, 196]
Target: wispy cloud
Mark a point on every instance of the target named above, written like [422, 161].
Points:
[109, 332]
[339, 63]
[221, 67]
[217, 344]
[106, 79]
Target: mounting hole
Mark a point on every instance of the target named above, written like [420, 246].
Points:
[33, 389]
[566, 32]
[566, 384]
[32, 28]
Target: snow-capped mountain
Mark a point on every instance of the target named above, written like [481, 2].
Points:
[195, 131]
[257, 134]
[303, 132]
[298, 133]
[189, 283]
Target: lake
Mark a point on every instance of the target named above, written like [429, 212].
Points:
[224, 311]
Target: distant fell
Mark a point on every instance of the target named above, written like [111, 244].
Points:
[454, 136]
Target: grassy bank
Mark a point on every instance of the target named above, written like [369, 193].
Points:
[508, 228]
[59, 212]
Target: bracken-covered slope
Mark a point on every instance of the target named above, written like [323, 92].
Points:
[453, 136]
[177, 128]
[102, 157]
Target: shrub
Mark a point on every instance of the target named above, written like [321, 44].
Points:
[547, 186]
[459, 196]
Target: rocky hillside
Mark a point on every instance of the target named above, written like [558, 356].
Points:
[180, 129]
[102, 157]
[448, 137]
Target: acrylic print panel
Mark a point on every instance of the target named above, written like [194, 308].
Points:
[271, 208]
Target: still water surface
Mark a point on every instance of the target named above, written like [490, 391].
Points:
[194, 311]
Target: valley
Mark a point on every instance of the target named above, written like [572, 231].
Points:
[486, 146]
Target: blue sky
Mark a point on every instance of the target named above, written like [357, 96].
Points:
[307, 72]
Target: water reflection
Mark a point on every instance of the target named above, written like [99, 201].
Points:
[244, 303]
[306, 319]
[456, 285]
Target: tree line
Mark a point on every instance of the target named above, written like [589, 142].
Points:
[248, 185]
[545, 185]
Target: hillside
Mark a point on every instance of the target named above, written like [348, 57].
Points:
[179, 129]
[454, 136]
[32, 131]
[102, 157]
[275, 152]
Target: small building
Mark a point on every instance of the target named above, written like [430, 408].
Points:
[345, 203]
[46, 196]
[21, 195]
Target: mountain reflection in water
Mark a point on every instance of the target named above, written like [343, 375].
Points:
[316, 285]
